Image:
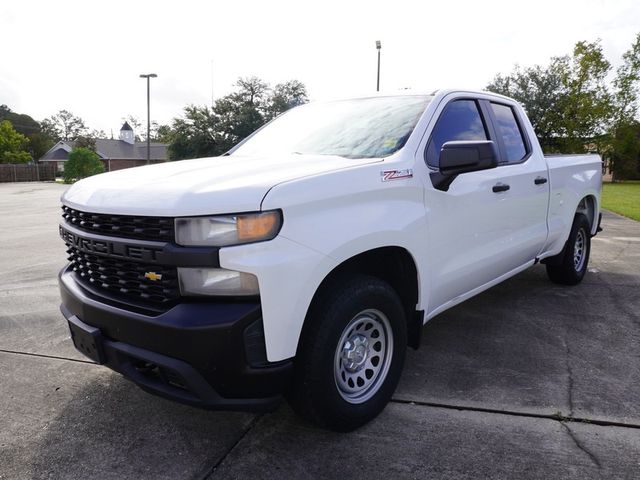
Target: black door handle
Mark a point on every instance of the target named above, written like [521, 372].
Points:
[540, 180]
[500, 187]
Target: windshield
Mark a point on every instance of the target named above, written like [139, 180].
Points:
[359, 128]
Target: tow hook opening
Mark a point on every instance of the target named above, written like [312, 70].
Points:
[160, 374]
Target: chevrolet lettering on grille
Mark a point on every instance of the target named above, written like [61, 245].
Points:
[112, 249]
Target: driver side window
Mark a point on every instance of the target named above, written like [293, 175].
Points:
[460, 120]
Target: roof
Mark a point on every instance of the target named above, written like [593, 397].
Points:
[110, 150]
[126, 126]
[119, 149]
[408, 92]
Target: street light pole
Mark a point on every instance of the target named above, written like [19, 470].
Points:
[378, 47]
[148, 76]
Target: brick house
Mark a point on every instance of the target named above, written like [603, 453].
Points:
[125, 152]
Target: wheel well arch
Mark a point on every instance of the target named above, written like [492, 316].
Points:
[393, 264]
[588, 207]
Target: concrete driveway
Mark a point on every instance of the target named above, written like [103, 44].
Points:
[528, 380]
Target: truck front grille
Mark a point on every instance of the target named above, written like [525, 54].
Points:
[126, 279]
[159, 229]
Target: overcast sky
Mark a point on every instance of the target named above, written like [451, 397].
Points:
[86, 56]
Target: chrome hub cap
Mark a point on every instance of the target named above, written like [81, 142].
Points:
[579, 250]
[363, 356]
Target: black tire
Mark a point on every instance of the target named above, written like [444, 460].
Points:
[322, 364]
[567, 268]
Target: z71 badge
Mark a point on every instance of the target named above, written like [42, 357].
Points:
[387, 175]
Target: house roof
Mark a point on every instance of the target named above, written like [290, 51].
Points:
[119, 149]
[126, 126]
[110, 150]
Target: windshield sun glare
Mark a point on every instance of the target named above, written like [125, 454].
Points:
[358, 128]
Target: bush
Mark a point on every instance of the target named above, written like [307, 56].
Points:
[82, 163]
[12, 145]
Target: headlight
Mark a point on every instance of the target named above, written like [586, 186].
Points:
[217, 281]
[224, 230]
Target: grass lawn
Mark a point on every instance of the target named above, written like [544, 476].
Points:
[622, 198]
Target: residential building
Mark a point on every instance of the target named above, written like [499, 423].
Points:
[125, 152]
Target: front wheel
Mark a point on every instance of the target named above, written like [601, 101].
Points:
[572, 263]
[351, 354]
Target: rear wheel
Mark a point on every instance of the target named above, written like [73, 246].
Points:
[351, 354]
[571, 265]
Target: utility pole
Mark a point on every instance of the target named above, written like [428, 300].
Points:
[148, 76]
[378, 47]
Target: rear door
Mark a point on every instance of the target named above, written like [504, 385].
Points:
[528, 179]
[491, 222]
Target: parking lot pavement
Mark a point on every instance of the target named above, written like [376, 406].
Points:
[66, 419]
[30, 258]
[528, 345]
[527, 380]
[415, 441]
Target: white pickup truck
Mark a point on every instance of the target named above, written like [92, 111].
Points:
[305, 261]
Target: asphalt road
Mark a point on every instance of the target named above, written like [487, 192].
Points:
[528, 380]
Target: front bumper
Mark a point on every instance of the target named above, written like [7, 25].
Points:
[207, 354]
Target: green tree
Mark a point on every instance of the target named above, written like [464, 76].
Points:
[82, 163]
[87, 141]
[285, 96]
[539, 90]
[627, 84]
[254, 103]
[162, 134]
[625, 142]
[22, 123]
[625, 151]
[64, 125]
[159, 133]
[12, 145]
[204, 131]
[195, 134]
[251, 91]
[568, 101]
[587, 104]
[242, 112]
[39, 142]
[95, 134]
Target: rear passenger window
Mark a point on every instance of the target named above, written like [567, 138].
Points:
[510, 132]
[460, 120]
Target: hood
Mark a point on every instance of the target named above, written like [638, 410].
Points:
[204, 186]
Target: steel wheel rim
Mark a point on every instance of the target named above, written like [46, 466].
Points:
[579, 250]
[363, 356]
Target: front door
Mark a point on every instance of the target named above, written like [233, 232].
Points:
[487, 223]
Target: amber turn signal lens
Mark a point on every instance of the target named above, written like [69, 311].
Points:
[258, 226]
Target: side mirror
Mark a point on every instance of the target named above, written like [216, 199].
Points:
[467, 156]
